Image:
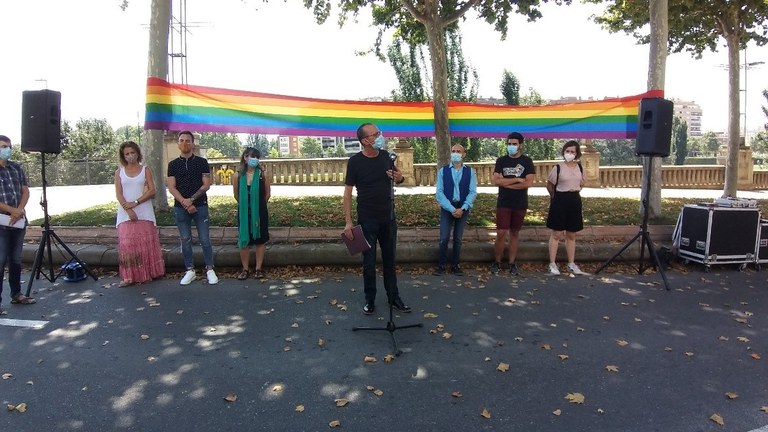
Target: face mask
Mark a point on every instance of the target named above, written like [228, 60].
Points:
[131, 158]
[253, 162]
[455, 157]
[378, 143]
[512, 149]
[569, 157]
[5, 153]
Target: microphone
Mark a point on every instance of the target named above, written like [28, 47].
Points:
[393, 156]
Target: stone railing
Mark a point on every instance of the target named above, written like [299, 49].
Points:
[331, 171]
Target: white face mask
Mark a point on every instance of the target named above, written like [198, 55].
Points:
[569, 157]
[131, 158]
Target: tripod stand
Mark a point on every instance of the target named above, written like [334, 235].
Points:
[48, 237]
[643, 235]
[391, 327]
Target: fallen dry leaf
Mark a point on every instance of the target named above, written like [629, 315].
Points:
[430, 315]
[621, 342]
[457, 394]
[7, 376]
[341, 402]
[144, 337]
[600, 411]
[576, 398]
[230, 397]
[741, 320]
[731, 395]
[10, 407]
[389, 358]
[321, 342]
[689, 354]
[447, 335]
[742, 339]
[334, 424]
[563, 357]
[546, 347]
[299, 408]
[22, 407]
[518, 339]
[668, 349]
[502, 367]
[612, 368]
[277, 388]
[557, 412]
[378, 392]
[295, 325]
[722, 338]
[764, 409]
[485, 413]
[717, 419]
[369, 359]
[755, 356]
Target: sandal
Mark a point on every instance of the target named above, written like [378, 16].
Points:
[259, 274]
[22, 299]
[243, 275]
[125, 283]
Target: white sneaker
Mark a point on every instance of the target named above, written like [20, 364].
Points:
[573, 268]
[189, 276]
[212, 278]
[553, 270]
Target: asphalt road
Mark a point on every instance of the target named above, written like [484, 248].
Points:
[90, 356]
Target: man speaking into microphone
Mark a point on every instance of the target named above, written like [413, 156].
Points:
[373, 172]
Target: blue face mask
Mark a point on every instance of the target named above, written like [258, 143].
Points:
[456, 157]
[378, 143]
[512, 149]
[253, 162]
[5, 153]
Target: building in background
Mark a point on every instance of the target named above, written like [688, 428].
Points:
[689, 111]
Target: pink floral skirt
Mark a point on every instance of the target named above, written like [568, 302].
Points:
[138, 250]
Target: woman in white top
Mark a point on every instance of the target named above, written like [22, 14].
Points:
[138, 244]
[564, 184]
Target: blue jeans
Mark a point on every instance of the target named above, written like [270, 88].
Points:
[386, 235]
[446, 222]
[11, 244]
[184, 223]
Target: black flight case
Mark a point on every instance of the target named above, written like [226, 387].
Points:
[719, 235]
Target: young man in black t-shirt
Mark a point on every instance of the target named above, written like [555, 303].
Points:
[514, 174]
[372, 172]
[189, 177]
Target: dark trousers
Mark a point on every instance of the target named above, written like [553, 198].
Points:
[447, 221]
[11, 245]
[385, 233]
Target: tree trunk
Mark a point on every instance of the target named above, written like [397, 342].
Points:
[436, 38]
[732, 163]
[157, 67]
[657, 61]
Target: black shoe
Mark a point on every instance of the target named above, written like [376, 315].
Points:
[495, 267]
[457, 271]
[439, 272]
[399, 305]
[369, 309]
[513, 270]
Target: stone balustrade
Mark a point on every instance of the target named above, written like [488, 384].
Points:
[331, 171]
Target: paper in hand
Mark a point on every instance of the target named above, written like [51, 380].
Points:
[5, 220]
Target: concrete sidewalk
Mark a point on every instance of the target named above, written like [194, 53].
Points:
[495, 353]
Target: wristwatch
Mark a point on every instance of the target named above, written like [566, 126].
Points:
[136, 202]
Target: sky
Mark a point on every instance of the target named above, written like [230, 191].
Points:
[95, 54]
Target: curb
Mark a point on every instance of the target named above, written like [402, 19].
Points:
[307, 247]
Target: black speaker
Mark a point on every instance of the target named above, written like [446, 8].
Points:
[654, 127]
[41, 121]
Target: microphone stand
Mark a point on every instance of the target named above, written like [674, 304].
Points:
[391, 327]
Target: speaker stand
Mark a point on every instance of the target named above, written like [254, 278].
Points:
[47, 238]
[643, 235]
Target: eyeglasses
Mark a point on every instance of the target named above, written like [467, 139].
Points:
[373, 135]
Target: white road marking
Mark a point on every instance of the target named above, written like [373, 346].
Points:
[22, 323]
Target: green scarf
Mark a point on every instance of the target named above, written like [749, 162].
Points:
[243, 203]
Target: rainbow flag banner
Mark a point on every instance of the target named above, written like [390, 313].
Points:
[207, 109]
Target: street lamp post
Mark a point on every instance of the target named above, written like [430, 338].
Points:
[747, 67]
